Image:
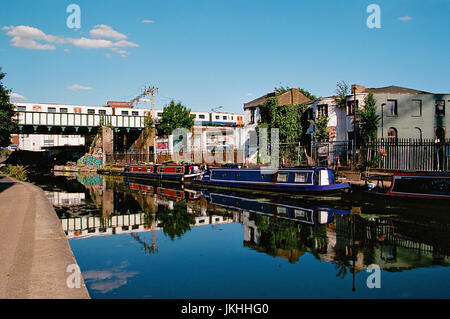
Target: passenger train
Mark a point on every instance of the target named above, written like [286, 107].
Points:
[203, 118]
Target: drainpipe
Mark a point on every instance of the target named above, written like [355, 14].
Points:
[382, 119]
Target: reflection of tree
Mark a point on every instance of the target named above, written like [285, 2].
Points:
[175, 222]
[279, 234]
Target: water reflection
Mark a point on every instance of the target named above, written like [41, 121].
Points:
[349, 238]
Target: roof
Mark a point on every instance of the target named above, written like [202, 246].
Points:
[394, 90]
[295, 94]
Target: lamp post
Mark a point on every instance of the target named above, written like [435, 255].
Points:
[355, 126]
[382, 120]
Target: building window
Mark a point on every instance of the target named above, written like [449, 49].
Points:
[135, 113]
[91, 111]
[392, 108]
[351, 107]
[416, 108]
[439, 133]
[252, 116]
[440, 108]
[125, 113]
[102, 112]
[201, 116]
[322, 110]
[63, 110]
[392, 135]
[51, 110]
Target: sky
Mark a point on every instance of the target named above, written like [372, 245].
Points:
[213, 53]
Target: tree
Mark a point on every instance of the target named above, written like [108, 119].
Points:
[8, 125]
[321, 134]
[368, 119]
[342, 90]
[175, 116]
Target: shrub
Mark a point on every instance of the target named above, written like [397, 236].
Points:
[18, 172]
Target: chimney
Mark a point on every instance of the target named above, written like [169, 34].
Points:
[358, 88]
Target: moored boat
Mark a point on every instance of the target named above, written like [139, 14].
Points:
[170, 172]
[299, 180]
[415, 185]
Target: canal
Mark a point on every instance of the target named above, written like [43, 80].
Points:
[134, 239]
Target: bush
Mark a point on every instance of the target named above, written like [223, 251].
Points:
[18, 172]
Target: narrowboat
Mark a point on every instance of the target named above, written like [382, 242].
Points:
[170, 172]
[303, 213]
[299, 180]
[431, 186]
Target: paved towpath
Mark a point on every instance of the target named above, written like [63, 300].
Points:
[34, 250]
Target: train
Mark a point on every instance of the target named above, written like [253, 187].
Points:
[201, 118]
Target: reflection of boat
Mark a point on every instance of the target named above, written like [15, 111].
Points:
[169, 171]
[148, 187]
[304, 180]
[307, 214]
[414, 185]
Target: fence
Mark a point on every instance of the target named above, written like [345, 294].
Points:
[332, 153]
[408, 154]
[199, 157]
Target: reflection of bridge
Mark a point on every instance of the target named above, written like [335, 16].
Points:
[88, 226]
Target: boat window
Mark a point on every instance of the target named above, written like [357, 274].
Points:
[178, 170]
[323, 177]
[301, 177]
[283, 177]
[281, 210]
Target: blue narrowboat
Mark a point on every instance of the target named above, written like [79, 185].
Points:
[169, 172]
[300, 180]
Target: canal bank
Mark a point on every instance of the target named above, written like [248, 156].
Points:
[35, 251]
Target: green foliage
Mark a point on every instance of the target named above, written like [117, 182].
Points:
[148, 126]
[175, 222]
[321, 123]
[18, 172]
[174, 116]
[368, 119]
[8, 125]
[342, 90]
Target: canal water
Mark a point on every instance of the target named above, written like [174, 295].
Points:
[135, 239]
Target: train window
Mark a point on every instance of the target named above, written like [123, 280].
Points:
[51, 110]
[36, 108]
[63, 110]
[21, 108]
[217, 117]
[102, 112]
[201, 116]
[224, 117]
[135, 113]
[77, 109]
[232, 118]
[91, 111]
[159, 114]
[124, 112]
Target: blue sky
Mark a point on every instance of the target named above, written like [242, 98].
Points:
[214, 53]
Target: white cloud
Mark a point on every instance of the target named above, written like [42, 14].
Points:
[17, 97]
[105, 31]
[77, 87]
[32, 38]
[405, 18]
[147, 21]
